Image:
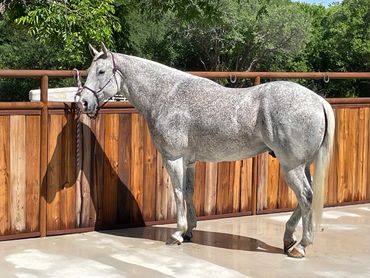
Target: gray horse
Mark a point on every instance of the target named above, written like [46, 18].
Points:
[192, 118]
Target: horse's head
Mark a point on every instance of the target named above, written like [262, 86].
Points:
[103, 81]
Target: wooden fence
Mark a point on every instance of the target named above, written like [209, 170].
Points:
[123, 182]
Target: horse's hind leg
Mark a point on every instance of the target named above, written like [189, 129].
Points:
[176, 170]
[290, 228]
[191, 217]
[300, 184]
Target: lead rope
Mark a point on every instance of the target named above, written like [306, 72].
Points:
[78, 147]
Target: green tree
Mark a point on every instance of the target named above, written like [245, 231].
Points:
[67, 26]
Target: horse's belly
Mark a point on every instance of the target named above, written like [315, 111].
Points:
[228, 152]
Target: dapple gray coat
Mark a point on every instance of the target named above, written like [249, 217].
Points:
[193, 118]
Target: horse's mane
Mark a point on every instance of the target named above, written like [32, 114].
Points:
[158, 66]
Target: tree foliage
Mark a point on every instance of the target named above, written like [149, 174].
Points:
[67, 25]
[235, 35]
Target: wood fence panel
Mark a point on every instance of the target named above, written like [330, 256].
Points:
[124, 181]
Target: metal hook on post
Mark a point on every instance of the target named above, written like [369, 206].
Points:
[326, 78]
[232, 79]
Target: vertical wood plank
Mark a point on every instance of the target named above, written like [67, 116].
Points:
[18, 173]
[86, 170]
[124, 196]
[283, 193]
[236, 187]
[54, 173]
[171, 203]
[63, 179]
[342, 139]
[99, 164]
[137, 167]
[352, 175]
[262, 181]
[150, 171]
[33, 172]
[199, 187]
[366, 159]
[161, 197]
[4, 175]
[210, 190]
[367, 169]
[246, 185]
[272, 182]
[332, 180]
[69, 188]
[361, 154]
[223, 170]
[111, 124]
[229, 206]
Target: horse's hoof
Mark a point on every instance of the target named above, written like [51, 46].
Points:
[288, 245]
[187, 237]
[175, 239]
[297, 253]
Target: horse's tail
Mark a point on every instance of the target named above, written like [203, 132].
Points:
[321, 164]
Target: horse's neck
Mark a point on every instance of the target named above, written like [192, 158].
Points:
[147, 81]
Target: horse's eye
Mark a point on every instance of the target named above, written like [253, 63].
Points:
[101, 72]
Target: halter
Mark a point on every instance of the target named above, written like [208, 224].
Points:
[96, 93]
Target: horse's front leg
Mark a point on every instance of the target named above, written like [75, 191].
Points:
[177, 172]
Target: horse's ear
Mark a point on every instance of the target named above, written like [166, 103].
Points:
[93, 51]
[104, 49]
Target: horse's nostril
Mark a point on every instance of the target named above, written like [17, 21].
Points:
[84, 103]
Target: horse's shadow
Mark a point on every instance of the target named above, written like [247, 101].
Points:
[102, 201]
[206, 238]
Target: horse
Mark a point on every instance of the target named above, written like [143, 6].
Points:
[192, 118]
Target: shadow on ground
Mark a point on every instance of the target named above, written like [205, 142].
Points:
[207, 238]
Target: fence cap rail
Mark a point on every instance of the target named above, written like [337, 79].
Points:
[214, 74]
[293, 75]
[38, 73]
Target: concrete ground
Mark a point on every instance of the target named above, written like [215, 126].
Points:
[235, 247]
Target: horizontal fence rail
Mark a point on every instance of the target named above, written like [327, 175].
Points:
[122, 180]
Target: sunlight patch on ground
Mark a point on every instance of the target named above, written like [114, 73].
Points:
[338, 214]
[58, 265]
[174, 264]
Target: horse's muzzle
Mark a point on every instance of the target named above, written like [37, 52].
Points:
[87, 106]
